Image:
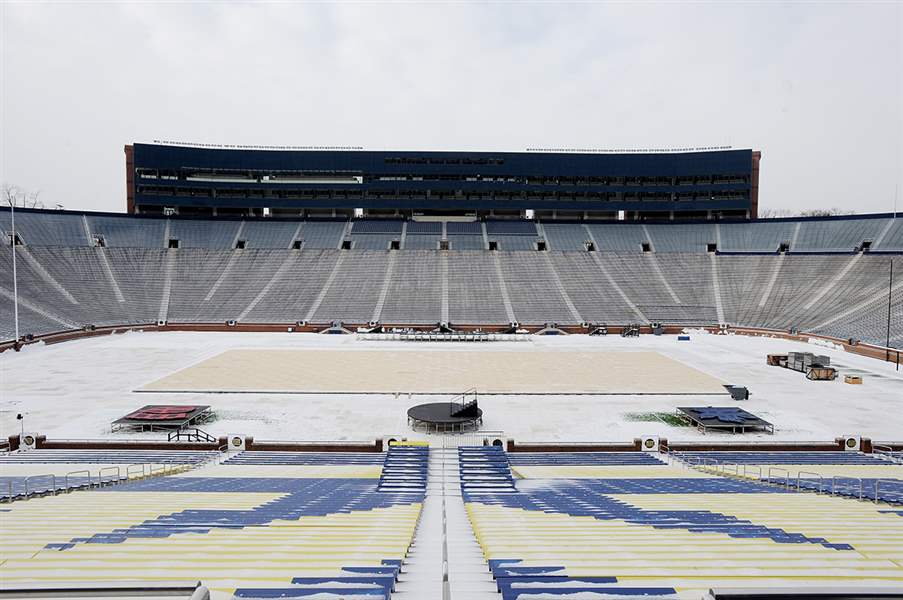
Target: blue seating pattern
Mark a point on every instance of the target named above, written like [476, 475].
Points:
[582, 458]
[298, 530]
[302, 498]
[848, 474]
[511, 228]
[628, 524]
[589, 498]
[377, 226]
[463, 228]
[107, 456]
[371, 582]
[424, 228]
[514, 581]
[405, 469]
[785, 458]
[870, 488]
[484, 469]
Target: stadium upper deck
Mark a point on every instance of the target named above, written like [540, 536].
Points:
[218, 181]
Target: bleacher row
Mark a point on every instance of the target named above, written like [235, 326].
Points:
[51, 228]
[50, 471]
[589, 525]
[867, 477]
[256, 525]
[62, 288]
[626, 524]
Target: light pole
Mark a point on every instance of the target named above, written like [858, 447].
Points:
[890, 293]
[12, 245]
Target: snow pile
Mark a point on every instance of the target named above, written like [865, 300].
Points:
[694, 331]
[826, 344]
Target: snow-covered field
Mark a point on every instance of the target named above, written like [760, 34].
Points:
[75, 389]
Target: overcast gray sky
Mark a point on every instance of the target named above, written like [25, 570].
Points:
[815, 86]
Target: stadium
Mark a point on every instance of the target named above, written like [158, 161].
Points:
[337, 373]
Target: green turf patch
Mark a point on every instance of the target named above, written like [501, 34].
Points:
[657, 417]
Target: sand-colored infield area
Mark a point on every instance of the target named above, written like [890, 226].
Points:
[438, 372]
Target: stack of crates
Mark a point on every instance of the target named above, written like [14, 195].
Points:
[803, 361]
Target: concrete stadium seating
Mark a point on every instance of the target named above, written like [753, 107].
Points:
[821, 285]
[129, 233]
[260, 234]
[203, 233]
[627, 524]
[259, 525]
[41, 471]
[838, 473]
[340, 525]
[322, 234]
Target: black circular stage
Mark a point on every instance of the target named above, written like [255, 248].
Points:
[442, 417]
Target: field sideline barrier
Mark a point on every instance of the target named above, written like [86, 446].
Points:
[42, 443]
[892, 355]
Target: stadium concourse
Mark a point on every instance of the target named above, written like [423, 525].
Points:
[584, 484]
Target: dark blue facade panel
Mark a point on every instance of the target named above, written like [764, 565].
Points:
[451, 186]
[502, 163]
[439, 204]
[340, 179]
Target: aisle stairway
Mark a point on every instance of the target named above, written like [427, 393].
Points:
[469, 577]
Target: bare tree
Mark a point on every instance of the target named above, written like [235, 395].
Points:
[18, 197]
[826, 212]
[776, 213]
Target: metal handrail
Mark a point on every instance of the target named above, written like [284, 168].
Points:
[877, 484]
[889, 452]
[799, 478]
[114, 468]
[714, 462]
[841, 477]
[735, 469]
[52, 482]
[115, 474]
[86, 471]
[786, 478]
[130, 468]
